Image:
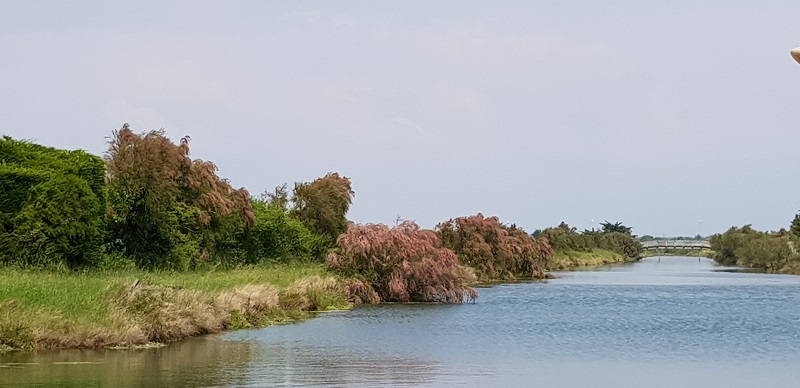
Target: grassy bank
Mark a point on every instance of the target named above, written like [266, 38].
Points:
[45, 309]
[571, 259]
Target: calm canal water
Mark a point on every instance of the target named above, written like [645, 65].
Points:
[677, 322]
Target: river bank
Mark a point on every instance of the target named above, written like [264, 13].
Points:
[565, 260]
[46, 310]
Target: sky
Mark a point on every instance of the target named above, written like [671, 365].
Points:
[675, 118]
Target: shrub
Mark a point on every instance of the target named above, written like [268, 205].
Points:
[564, 238]
[726, 245]
[323, 204]
[745, 246]
[61, 223]
[401, 264]
[51, 206]
[619, 242]
[494, 250]
[277, 236]
[770, 252]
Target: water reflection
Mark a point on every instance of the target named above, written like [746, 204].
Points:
[198, 362]
[214, 361]
[300, 365]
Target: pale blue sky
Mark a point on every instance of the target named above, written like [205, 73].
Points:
[656, 114]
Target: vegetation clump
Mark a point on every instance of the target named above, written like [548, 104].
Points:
[165, 209]
[747, 247]
[595, 244]
[51, 207]
[401, 264]
[323, 204]
[194, 241]
[277, 235]
[494, 250]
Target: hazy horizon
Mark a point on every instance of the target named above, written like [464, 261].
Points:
[674, 118]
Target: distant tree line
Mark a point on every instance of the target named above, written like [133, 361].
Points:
[614, 237]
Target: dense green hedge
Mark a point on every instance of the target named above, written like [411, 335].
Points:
[86, 166]
[52, 205]
[15, 184]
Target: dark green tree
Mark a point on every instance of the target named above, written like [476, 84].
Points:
[795, 226]
[323, 204]
[616, 227]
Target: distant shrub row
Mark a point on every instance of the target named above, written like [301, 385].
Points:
[612, 237]
[747, 247]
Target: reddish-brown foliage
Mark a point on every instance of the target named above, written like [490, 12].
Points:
[160, 199]
[149, 166]
[402, 264]
[494, 250]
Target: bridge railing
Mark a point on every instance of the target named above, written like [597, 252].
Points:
[676, 244]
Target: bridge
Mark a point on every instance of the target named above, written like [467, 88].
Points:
[673, 245]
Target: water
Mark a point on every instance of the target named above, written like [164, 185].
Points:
[677, 322]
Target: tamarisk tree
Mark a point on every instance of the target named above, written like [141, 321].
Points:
[165, 209]
[401, 264]
[496, 251]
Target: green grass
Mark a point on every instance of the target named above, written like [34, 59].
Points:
[278, 275]
[80, 296]
[571, 259]
[45, 308]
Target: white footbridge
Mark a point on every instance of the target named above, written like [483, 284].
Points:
[670, 245]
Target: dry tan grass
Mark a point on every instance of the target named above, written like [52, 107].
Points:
[250, 298]
[146, 313]
[314, 293]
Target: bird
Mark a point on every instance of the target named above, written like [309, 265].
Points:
[796, 54]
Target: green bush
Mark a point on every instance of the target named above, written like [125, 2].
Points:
[86, 166]
[15, 185]
[770, 252]
[52, 205]
[726, 245]
[745, 246]
[277, 236]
